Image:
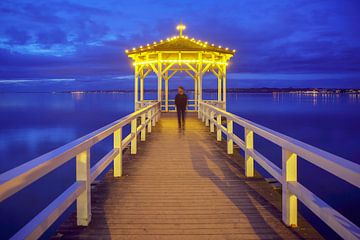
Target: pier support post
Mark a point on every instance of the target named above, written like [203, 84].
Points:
[212, 115]
[83, 202]
[133, 132]
[289, 200]
[118, 158]
[218, 129]
[230, 144]
[249, 145]
[143, 131]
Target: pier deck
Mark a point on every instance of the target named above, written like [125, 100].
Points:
[183, 185]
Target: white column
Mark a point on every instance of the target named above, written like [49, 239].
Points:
[195, 94]
[83, 202]
[142, 87]
[230, 144]
[289, 200]
[134, 140]
[118, 158]
[224, 86]
[159, 79]
[219, 87]
[249, 145]
[136, 90]
[166, 94]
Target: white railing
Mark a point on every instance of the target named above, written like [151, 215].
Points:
[18, 178]
[191, 107]
[287, 175]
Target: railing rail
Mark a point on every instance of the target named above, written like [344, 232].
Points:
[287, 175]
[18, 178]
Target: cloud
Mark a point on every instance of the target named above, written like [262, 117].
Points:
[86, 39]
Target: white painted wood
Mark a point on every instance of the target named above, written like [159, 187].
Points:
[218, 128]
[143, 130]
[340, 167]
[249, 146]
[41, 222]
[102, 164]
[269, 166]
[16, 179]
[230, 145]
[136, 88]
[150, 121]
[134, 136]
[212, 115]
[83, 202]
[127, 140]
[289, 199]
[118, 158]
[340, 224]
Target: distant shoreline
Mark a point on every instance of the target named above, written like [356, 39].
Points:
[229, 90]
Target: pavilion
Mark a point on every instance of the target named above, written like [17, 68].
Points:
[179, 54]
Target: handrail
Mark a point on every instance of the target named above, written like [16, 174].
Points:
[287, 176]
[18, 178]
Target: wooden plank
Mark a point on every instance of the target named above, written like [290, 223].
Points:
[183, 185]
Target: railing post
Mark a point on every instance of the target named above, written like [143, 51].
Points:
[212, 114]
[118, 158]
[289, 200]
[199, 110]
[203, 113]
[230, 144]
[153, 121]
[218, 129]
[207, 118]
[150, 123]
[249, 146]
[133, 132]
[83, 202]
[143, 131]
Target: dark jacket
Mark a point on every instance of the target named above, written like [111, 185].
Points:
[181, 101]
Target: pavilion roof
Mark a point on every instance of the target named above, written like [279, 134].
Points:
[180, 43]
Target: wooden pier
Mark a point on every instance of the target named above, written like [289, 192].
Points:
[178, 184]
[183, 185]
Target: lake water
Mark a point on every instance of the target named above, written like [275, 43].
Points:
[32, 124]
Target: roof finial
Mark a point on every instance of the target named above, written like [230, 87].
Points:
[180, 28]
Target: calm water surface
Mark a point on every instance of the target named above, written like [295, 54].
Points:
[35, 123]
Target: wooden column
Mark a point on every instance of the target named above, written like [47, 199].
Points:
[230, 144]
[159, 79]
[199, 79]
[83, 202]
[118, 158]
[133, 132]
[167, 91]
[219, 87]
[289, 200]
[224, 85]
[142, 85]
[136, 90]
[249, 145]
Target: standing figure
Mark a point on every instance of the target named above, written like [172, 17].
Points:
[181, 103]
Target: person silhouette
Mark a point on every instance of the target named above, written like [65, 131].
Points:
[181, 100]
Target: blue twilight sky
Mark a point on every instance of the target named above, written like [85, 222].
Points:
[79, 45]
